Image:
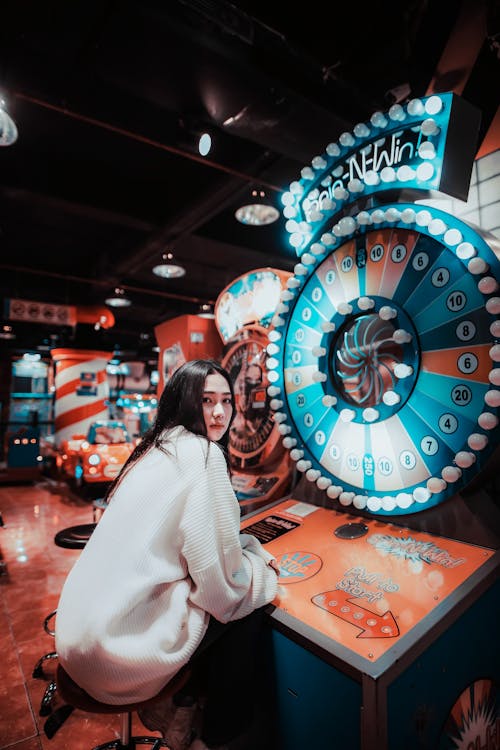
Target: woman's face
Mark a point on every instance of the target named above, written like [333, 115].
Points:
[217, 406]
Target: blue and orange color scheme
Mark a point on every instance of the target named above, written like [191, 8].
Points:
[387, 362]
[384, 376]
[361, 583]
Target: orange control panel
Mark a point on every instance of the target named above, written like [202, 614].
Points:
[362, 582]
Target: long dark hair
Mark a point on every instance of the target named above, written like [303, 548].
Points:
[181, 403]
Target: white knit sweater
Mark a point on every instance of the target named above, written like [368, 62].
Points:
[166, 554]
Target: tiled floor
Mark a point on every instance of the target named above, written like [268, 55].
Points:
[36, 569]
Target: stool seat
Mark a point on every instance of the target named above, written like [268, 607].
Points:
[74, 537]
[73, 694]
[75, 697]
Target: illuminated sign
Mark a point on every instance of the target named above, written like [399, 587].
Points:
[251, 299]
[40, 312]
[428, 144]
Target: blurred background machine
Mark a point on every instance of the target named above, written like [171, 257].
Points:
[182, 339]
[261, 467]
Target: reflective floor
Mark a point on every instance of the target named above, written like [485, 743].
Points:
[34, 570]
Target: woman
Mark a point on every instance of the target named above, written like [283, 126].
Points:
[164, 562]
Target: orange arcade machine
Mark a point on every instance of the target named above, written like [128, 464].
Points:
[261, 468]
[182, 339]
[384, 632]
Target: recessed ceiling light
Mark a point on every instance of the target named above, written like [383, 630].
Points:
[169, 271]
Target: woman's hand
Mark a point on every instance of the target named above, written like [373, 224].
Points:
[274, 565]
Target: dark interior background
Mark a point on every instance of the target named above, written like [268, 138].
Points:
[107, 95]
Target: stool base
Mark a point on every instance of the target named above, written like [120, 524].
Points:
[124, 742]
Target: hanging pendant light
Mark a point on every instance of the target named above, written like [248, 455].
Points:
[167, 269]
[118, 299]
[257, 212]
[8, 129]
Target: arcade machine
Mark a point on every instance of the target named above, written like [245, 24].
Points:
[384, 632]
[131, 399]
[137, 411]
[182, 339]
[261, 467]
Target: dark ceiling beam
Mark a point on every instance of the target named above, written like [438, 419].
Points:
[199, 249]
[103, 283]
[185, 224]
[40, 200]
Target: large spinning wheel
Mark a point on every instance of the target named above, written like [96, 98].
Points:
[385, 366]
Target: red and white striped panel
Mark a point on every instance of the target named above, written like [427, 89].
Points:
[82, 390]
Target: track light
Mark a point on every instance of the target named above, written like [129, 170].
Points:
[204, 144]
[193, 134]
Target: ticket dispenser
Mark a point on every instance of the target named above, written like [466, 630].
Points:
[244, 311]
[383, 635]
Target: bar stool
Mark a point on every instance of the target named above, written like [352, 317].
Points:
[38, 672]
[72, 537]
[76, 697]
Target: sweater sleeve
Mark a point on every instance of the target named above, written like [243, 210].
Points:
[230, 572]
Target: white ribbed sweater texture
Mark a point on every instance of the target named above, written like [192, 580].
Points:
[166, 554]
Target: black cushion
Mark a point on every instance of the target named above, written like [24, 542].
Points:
[74, 537]
[73, 694]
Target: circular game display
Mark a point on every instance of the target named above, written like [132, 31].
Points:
[385, 366]
[251, 436]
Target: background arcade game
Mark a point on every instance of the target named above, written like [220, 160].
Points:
[182, 339]
[385, 379]
[261, 467]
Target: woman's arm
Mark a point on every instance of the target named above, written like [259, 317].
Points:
[230, 572]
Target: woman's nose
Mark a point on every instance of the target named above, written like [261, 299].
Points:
[218, 410]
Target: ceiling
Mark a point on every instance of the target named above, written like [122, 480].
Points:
[105, 177]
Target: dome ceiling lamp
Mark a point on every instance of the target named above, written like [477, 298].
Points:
[118, 299]
[257, 212]
[8, 129]
[206, 311]
[167, 269]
